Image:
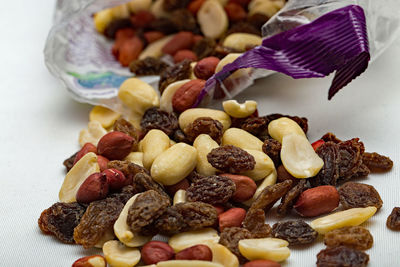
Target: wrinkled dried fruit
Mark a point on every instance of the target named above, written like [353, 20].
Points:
[290, 198]
[171, 5]
[177, 72]
[270, 195]
[376, 162]
[169, 223]
[230, 238]
[358, 195]
[231, 159]
[124, 126]
[330, 137]
[196, 252]
[212, 189]
[342, 256]
[147, 66]
[204, 125]
[272, 148]
[329, 174]
[98, 218]
[283, 175]
[255, 223]
[145, 181]
[351, 152]
[204, 48]
[156, 251]
[355, 237]
[147, 207]
[69, 162]
[155, 118]
[61, 219]
[295, 232]
[393, 221]
[184, 20]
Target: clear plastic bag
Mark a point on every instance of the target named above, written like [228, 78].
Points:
[80, 57]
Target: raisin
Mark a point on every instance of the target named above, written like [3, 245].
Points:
[376, 162]
[69, 162]
[164, 25]
[180, 137]
[171, 5]
[355, 237]
[115, 25]
[342, 256]
[197, 215]
[257, 20]
[204, 48]
[301, 121]
[290, 198]
[195, 176]
[257, 126]
[126, 193]
[184, 20]
[170, 222]
[272, 148]
[144, 180]
[295, 232]
[393, 221]
[155, 118]
[129, 169]
[331, 137]
[221, 52]
[231, 159]
[361, 172]
[124, 126]
[61, 219]
[205, 125]
[358, 195]
[329, 174]
[270, 195]
[284, 175]
[177, 72]
[244, 27]
[212, 189]
[255, 223]
[98, 218]
[147, 66]
[147, 207]
[351, 152]
[230, 238]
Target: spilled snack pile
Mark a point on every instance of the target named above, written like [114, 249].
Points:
[206, 179]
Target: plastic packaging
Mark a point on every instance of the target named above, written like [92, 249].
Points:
[81, 58]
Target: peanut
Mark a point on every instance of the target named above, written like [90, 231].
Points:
[267, 8]
[120, 11]
[298, 156]
[116, 179]
[168, 94]
[115, 145]
[222, 255]
[350, 217]
[172, 189]
[158, 10]
[269, 180]
[229, 59]
[196, 252]
[235, 12]
[236, 110]
[186, 263]
[205, 68]
[189, 115]
[186, 95]
[156, 251]
[135, 157]
[187, 239]
[245, 187]
[264, 248]
[88, 147]
[262, 263]
[103, 162]
[153, 144]
[154, 49]
[231, 218]
[102, 19]
[180, 41]
[180, 196]
[138, 96]
[105, 116]
[123, 231]
[118, 255]
[281, 127]
[242, 139]
[90, 261]
[107, 236]
[181, 55]
[92, 134]
[241, 41]
[264, 165]
[212, 19]
[86, 166]
[95, 187]
[204, 144]
[139, 5]
[174, 164]
[317, 201]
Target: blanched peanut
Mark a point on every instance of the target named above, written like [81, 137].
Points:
[222, 255]
[264, 165]
[154, 143]
[135, 119]
[171, 142]
[86, 166]
[118, 255]
[229, 59]
[174, 164]
[242, 139]
[120, 11]
[138, 96]
[166, 97]
[204, 144]
[187, 263]
[187, 239]
[281, 127]
[180, 196]
[107, 236]
[92, 134]
[241, 41]
[135, 157]
[189, 115]
[350, 217]
[154, 48]
[105, 116]
[192, 75]
[267, 8]
[236, 110]
[269, 180]
[264, 249]
[139, 5]
[157, 9]
[123, 231]
[101, 19]
[299, 158]
[212, 19]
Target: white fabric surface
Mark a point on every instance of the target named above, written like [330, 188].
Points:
[40, 126]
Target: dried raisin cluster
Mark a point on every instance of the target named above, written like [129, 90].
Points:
[231, 159]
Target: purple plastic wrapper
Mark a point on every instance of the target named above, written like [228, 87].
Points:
[81, 58]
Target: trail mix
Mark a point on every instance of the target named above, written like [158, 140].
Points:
[207, 179]
[150, 36]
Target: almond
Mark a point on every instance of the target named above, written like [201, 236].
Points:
[95, 187]
[180, 41]
[115, 145]
[317, 201]
[185, 97]
[205, 68]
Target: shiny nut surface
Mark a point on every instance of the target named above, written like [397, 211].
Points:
[156, 251]
[115, 145]
[135, 157]
[231, 218]
[281, 127]
[153, 144]
[222, 255]
[245, 187]
[186, 95]
[118, 255]
[189, 115]
[168, 93]
[242, 139]
[236, 110]
[105, 116]
[264, 248]
[197, 252]
[187, 239]
[204, 144]
[264, 165]
[318, 200]
[241, 41]
[95, 187]
[92, 134]
[180, 196]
